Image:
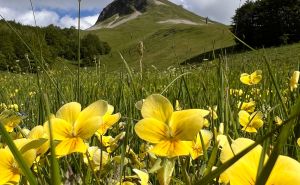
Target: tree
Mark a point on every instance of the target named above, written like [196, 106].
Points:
[268, 22]
[91, 47]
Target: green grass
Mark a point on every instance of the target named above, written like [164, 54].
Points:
[165, 44]
[195, 86]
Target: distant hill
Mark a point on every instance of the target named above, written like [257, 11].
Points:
[170, 33]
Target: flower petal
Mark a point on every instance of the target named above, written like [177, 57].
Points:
[60, 129]
[85, 129]
[6, 162]
[256, 77]
[69, 146]
[152, 130]
[37, 132]
[173, 148]
[69, 112]
[108, 121]
[158, 107]
[186, 124]
[98, 108]
[249, 129]
[244, 118]
[28, 155]
[245, 78]
[285, 171]
[243, 171]
[110, 109]
[256, 119]
[197, 148]
[143, 176]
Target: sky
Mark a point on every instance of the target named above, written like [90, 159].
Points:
[63, 13]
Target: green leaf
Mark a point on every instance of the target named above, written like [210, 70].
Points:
[34, 144]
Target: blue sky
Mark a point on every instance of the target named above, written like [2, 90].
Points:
[63, 13]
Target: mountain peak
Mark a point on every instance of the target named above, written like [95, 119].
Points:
[122, 7]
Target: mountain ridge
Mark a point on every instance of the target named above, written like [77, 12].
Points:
[170, 33]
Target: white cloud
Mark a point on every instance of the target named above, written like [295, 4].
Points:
[55, 4]
[218, 10]
[45, 17]
[85, 22]
[20, 10]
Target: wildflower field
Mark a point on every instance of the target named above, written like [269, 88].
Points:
[231, 120]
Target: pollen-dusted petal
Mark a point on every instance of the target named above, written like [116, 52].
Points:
[6, 163]
[244, 118]
[285, 171]
[158, 107]
[87, 128]
[60, 129]
[169, 148]
[98, 108]
[69, 112]
[108, 121]
[69, 146]
[186, 124]
[152, 130]
[245, 78]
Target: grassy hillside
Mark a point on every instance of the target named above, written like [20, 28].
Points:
[211, 83]
[165, 43]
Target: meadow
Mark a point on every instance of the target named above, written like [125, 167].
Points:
[129, 145]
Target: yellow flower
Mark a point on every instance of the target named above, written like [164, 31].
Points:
[285, 171]
[177, 106]
[10, 119]
[294, 80]
[213, 112]
[72, 126]
[251, 79]
[251, 122]
[298, 141]
[197, 149]
[236, 92]
[109, 142]
[206, 123]
[95, 157]
[141, 178]
[108, 120]
[223, 179]
[171, 132]
[37, 133]
[248, 106]
[278, 120]
[9, 170]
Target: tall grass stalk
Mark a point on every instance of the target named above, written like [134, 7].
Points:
[78, 94]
